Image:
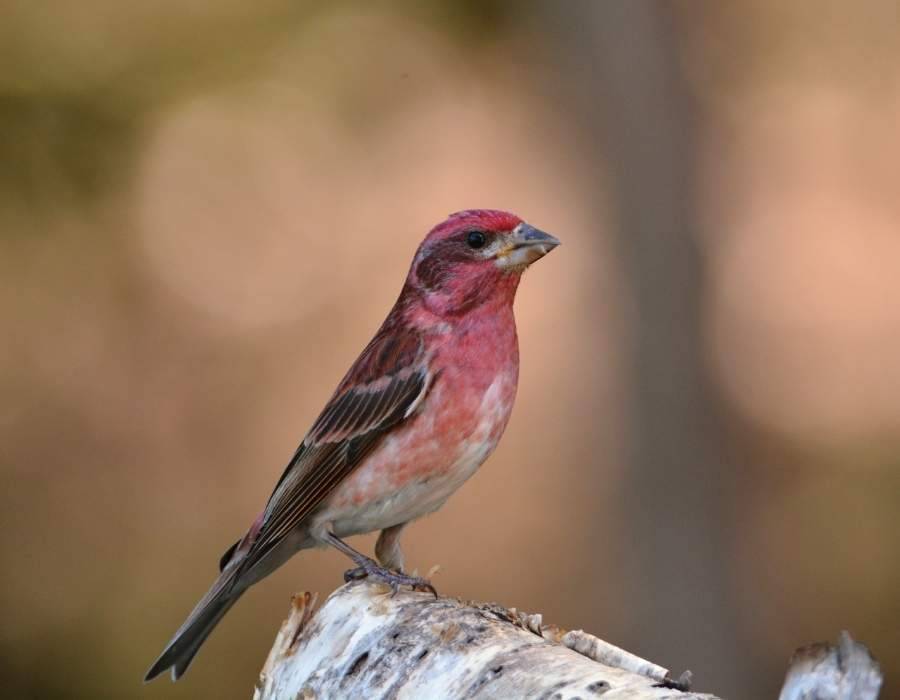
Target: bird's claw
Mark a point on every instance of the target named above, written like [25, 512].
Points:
[378, 574]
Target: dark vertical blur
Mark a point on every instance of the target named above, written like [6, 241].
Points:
[623, 65]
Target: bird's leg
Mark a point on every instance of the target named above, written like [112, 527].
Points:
[370, 569]
[387, 548]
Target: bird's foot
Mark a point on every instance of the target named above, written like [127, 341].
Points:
[371, 571]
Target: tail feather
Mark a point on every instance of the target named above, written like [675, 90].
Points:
[187, 641]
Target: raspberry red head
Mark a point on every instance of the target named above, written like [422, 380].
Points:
[473, 256]
[488, 220]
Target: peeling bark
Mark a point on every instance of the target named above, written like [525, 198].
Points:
[363, 643]
[845, 671]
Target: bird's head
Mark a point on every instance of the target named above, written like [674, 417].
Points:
[475, 256]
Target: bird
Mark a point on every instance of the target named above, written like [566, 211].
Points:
[416, 415]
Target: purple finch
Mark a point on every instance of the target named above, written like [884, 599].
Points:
[419, 411]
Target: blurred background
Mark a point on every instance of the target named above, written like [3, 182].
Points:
[207, 208]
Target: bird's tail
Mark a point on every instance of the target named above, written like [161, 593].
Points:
[180, 651]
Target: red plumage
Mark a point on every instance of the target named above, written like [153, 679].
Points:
[418, 412]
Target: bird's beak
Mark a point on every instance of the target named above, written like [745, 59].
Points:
[524, 245]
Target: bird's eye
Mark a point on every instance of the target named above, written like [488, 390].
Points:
[476, 239]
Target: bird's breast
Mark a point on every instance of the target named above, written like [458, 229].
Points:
[418, 465]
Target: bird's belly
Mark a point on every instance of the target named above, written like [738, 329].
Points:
[415, 469]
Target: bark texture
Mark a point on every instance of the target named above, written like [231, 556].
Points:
[364, 643]
[845, 671]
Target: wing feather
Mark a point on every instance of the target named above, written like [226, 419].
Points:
[381, 390]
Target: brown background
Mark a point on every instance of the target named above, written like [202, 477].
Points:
[207, 207]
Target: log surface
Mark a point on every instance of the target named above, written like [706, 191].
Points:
[842, 671]
[363, 643]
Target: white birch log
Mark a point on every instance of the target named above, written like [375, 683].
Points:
[364, 643]
[845, 671]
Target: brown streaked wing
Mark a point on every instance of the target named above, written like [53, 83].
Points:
[379, 391]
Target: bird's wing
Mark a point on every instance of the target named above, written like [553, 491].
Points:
[382, 389]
